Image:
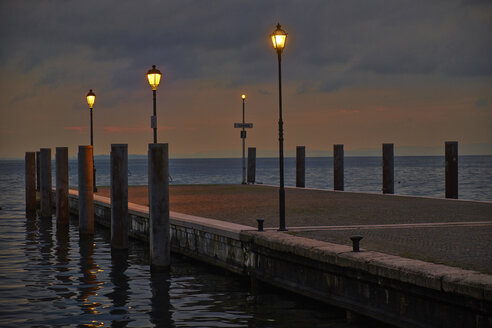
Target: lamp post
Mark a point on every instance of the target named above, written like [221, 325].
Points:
[243, 126]
[279, 37]
[243, 136]
[91, 98]
[154, 77]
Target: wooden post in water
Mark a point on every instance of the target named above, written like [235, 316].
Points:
[160, 244]
[251, 165]
[451, 148]
[338, 167]
[38, 171]
[388, 169]
[30, 180]
[301, 166]
[45, 181]
[86, 196]
[119, 196]
[62, 210]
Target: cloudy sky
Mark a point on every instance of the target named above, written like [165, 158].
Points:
[361, 73]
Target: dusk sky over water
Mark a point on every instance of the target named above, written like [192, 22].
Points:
[361, 73]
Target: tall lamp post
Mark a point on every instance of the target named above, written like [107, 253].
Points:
[279, 37]
[91, 98]
[154, 77]
[243, 136]
[243, 126]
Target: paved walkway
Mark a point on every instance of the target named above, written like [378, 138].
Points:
[452, 232]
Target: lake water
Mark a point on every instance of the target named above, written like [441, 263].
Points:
[49, 277]
[414, 175]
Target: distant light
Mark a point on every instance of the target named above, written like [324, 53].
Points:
[279, 37]
[243, 96]
[154, 77]
[91, 98]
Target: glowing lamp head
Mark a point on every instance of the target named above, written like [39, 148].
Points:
[154, 77]
[91, 98]
[243, 96]
[279, 37]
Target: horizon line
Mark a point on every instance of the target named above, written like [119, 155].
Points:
[240, 157]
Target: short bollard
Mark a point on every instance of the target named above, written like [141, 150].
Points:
[355, 242]
[260, 223]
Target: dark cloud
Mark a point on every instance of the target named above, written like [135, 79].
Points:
[228, 41]
[264, 92]
[481, 102]
[485, 3]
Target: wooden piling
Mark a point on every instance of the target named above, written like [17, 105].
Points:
[451, 150]
[38, 171]
[62, 209]
[388, 169]
[119, 196]
[45, 182]
[160, 246]
[30, 182]
[301, 166]
[338, 167]
[251, 165]
[86, 196]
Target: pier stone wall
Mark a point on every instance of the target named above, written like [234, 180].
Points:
[392, 289]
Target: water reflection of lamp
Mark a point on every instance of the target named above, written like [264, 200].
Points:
[89, 269]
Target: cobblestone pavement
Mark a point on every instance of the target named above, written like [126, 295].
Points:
[464, 246]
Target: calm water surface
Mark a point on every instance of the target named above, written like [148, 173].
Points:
[51, 277]
[414, 175]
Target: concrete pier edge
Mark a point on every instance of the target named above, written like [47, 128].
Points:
[389, 288]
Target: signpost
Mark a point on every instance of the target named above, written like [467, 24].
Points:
[243, 126]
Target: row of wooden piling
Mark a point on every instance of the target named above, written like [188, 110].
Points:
[451, 168]
[158, 159]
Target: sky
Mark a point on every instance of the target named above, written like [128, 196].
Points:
[359, 73]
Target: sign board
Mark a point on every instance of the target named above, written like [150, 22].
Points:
[245, 125]
[243, 134]
[153, 122]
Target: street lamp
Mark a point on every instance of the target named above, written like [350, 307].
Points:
[91, 98]
[243, 136]
[154, 77]
[279, 37]
[243, 126]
